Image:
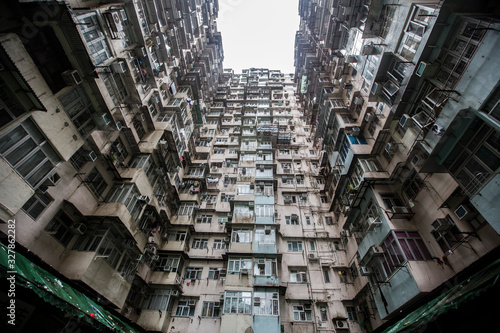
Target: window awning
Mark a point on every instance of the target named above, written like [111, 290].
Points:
[468, 289]
[58, 293]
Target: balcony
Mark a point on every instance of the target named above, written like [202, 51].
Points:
[266, 281]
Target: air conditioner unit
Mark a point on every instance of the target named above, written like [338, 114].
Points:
[425, 69]
[92, 156]
[404, 120]
[105, 119]
[369, 117]
[143, 198]
[355, 131]
[373, 223]
[79, 228]
[462, 211]
[244, 271]
[155, 257]
[295, 217]
[376, 251]
[119, 67]
[71, 77]
[442, 225]
[192, 302]
[364, 271]
[341, 324]
[400, 209]
[312, 256]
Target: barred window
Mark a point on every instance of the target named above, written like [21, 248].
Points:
[238, 302]
[35, 206]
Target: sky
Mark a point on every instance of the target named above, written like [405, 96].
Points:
[258, 33]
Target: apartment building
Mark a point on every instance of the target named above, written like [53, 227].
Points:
[155, 191]
[403, 97]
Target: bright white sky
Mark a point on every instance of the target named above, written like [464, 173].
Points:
[258, 33]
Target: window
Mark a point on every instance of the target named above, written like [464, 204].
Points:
[199, 243]
[129, 195]
[326, 275]
[118, 152]
[60, 228]
[401, 246]
[293, 220]
[236, 264]
[266, 267]
[323, 199]
[265, 303]
[186, 308]
[391, 200]
[107, 242]
[177, 235]
[308, 220]
[351, 313]
[449, 237]
[311, 152]
[241, 236]
[219, 244]
[343, 276]
[174, 263]
[26, 149]
[413, 185]
[115, 87]
[354, 270]
[265, 236]
[35, 206]
[96, 183]
[186, 209]
[215, 273]
[79, 108]
[312, 245]
[139, 128]
[294, 246]
[193, 273]
[242, 210]
[93, 37]
[264, 210]
[298, 275]
[323, 313]
[158, 299]
[204, 219]
[302, 312]
[210, 310]
[238, 302]
[328, 220]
